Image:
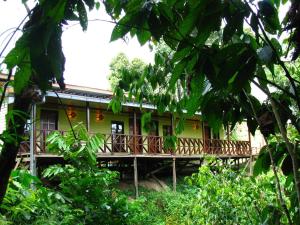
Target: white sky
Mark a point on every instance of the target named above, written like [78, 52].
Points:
[88, 54]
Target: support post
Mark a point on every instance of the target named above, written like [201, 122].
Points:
[32, 163]
[136, 177]
[174, 174]
[134, 133]
[88, 116]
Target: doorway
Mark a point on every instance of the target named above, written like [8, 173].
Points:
[117, 136]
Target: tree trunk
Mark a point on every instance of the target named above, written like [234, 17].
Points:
[9, 152]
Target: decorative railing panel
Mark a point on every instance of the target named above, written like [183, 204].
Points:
[140, 144]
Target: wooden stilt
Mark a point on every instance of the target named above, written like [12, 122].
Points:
[174, 174]
[251, 154]
[32, 163]
[135, 177]
[250, 165]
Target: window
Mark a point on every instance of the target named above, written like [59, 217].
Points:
[117, 127]
[49, 120]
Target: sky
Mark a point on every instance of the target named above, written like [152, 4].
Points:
[88, 54]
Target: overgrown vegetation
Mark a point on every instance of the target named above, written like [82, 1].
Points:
[214, 195]
[81, 193]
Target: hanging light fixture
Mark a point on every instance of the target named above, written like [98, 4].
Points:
[71, 113]
[196, 126]
[99, 116]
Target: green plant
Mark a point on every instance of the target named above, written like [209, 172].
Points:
[214, 195]
[85, 194]
[90, 190]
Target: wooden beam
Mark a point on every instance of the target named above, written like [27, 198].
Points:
[136, 177]
[174, 174]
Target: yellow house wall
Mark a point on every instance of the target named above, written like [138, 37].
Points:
[190, 131]
[104, 126]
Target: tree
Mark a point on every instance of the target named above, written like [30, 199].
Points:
[120, 65]
[216, 76]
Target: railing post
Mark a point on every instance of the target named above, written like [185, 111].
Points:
[32, 163]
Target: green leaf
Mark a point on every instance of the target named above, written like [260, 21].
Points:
[17, 55]
[54, 10]
[287, 166]
[146, 121]
[252, 125]
[56, 56]
[189, 22]
[269, 16]
[22, 78]
[143, 35]
[277, 46]
[123, 27]
[228, 32]
[245, 74]
[182, 53]
[83, 19]
[178, 70]
[263, 162]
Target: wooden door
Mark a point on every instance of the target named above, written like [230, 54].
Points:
[153, 138]
[117, 136]
[136, 142]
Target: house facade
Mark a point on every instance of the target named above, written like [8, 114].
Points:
[122, 132]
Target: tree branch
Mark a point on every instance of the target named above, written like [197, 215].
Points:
[279, 188]
[290, 149]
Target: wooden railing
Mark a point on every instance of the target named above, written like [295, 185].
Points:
[140, 144]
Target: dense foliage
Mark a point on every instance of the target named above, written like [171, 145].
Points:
[214, 195]
[82, 194]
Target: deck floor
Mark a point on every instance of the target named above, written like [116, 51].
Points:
[100, 156]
